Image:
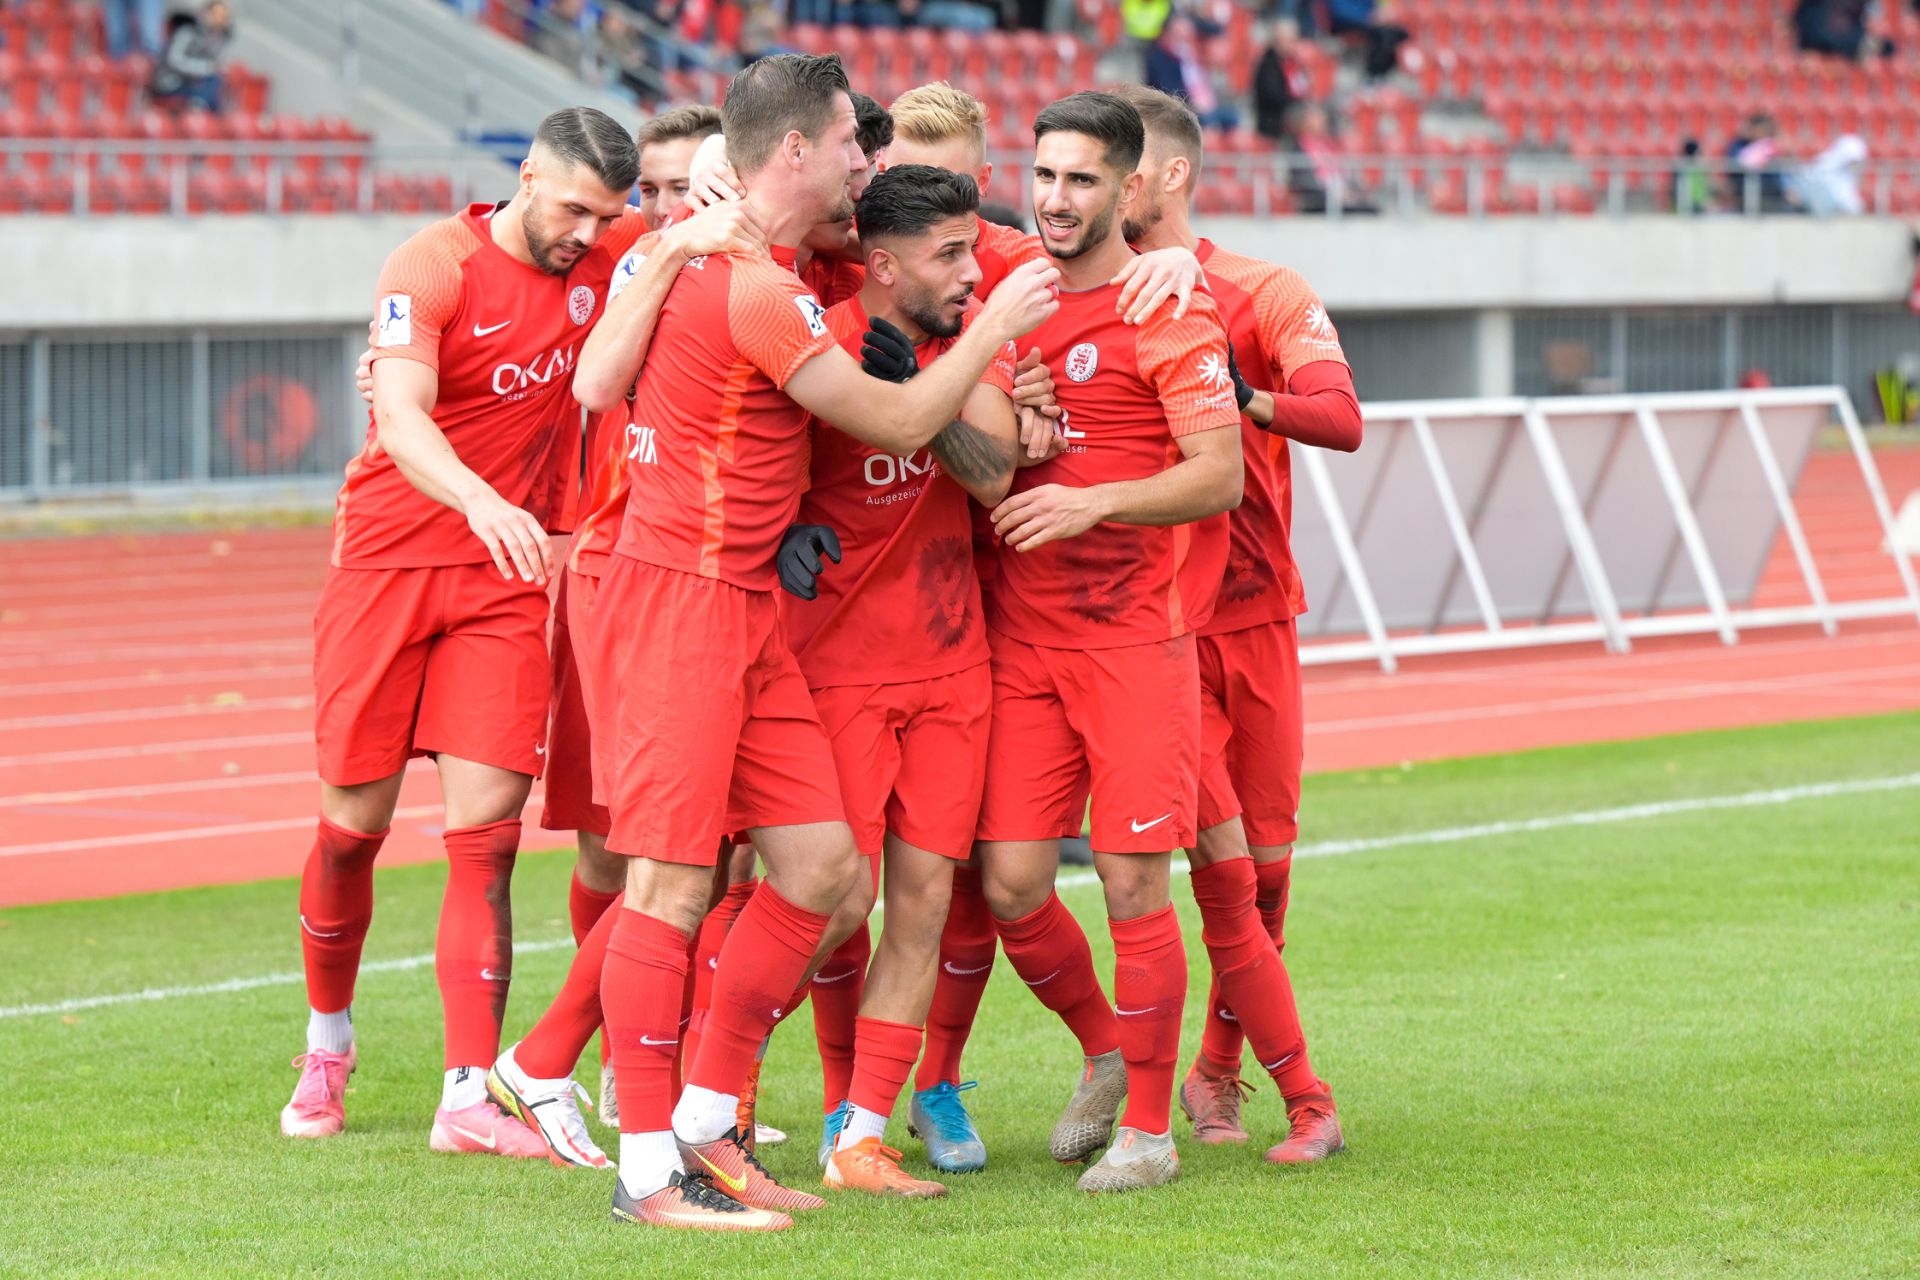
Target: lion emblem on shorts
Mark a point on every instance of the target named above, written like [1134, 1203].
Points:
[1103, 572]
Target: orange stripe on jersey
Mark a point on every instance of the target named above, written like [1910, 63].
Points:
[340, 507]
[1177, 607]
[713, 530]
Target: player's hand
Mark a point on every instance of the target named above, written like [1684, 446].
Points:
[886, 353]
[1242, 389]
[1149, 279]
[1040, 437]
[1046, 513]
[515, 539]
[363, 371]
[1023, 301]
[1033, 385]
[710, 179]
[799, 562]
[729, 227]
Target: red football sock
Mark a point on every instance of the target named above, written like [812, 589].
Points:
[585, 907]
[1149, 993]
[473, 955]
[680, 1055]
[883, 1058]
[1221, 1040]
[766, 955]
[967, 945]
[836, 992]
[1049, 951]
[336, 906]
[711, 936]
[640, 988]
[1249, 973]
[553, 1047]
[1272, 881]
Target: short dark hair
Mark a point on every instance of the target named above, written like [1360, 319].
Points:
[594, 139]
[907, 199]
[771, 96]
[1168, 118]
[872, 124]
[696, 121]
[1102, 117]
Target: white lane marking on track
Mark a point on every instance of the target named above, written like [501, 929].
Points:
[168, 680]
[181, 711]
[136, 750]
[206, 833]
[141, 790]
[1083, 879]
[1796, 685]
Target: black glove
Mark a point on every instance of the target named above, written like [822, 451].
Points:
[886, 353]
[799, 561]
[1242, 393]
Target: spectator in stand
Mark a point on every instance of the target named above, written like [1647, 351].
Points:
[1174, 66]
[1279, 81]
[762, 34]
[954, 15]
[1362, 18]
[1317, 172]
[135, 26]
[1692, 187]
[1839, 28]
[557, 32]
[1759, 180]
[1144, 20]
[623, 49]
[188, 70]
[1832, 182]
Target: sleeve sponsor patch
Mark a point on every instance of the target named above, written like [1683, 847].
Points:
[394, 323]
[624, 273]
[813, 313]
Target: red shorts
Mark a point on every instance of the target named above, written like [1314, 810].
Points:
[705, 722]
[569, 803]
[912, 758]
[1120, 724]
[1251, 731]
[412, 662]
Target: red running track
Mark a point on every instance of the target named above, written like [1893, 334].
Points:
[156, 710]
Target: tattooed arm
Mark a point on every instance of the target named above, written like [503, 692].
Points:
[978, 448]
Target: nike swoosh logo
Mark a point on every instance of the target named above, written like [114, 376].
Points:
[965, 973]
[1134, 1013]
[1139, 826]
[822, 979]
[713, 962]
[315, 933]
[478, 332]
[737, 1185]
[1275, 1066]
[1043, 981]
[540, 750]
[488, 1142]
[1225, 1016]
[488, 975]
[649, 1040]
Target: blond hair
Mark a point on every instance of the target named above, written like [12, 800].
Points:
[938, 112]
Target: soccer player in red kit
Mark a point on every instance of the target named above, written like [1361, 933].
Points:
[709, 725]
[666, 145]
[1296, 386]
[430, 635]
[1110, 559]
[892, 640]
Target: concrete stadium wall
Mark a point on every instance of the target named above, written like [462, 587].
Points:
[142, 272]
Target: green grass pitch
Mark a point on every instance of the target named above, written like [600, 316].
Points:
[1677, 1045]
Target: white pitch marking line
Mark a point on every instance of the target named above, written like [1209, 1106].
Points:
[1083, 879]
[157, 679]
[128, 715]
[142, 790]
[141, 750]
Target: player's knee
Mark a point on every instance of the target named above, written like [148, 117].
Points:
[1219, 843]
[599, 870]
[669, 892]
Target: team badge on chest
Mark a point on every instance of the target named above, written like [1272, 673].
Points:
[580, 304]
[1083, 362]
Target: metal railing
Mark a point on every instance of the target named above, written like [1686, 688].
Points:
[95, 176]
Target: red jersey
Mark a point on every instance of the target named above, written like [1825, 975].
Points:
[1273, 311]
[833, 280]
[603, 500]
[1128, 393]
[503, 337]
[903, 604]
[1001, 249]
[717, 454]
